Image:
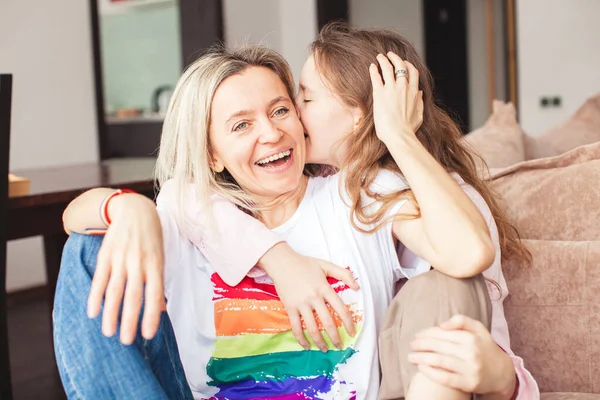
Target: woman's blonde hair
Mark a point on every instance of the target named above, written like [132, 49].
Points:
[185, 151]
[343, 55]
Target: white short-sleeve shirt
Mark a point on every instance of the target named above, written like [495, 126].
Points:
[236, 342]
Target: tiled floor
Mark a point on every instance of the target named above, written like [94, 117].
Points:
[33, 369]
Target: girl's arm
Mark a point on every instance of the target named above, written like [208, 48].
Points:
[235, 243]
[450, 233]
[515, 379]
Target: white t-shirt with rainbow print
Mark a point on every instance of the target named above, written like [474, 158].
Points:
[236, 342]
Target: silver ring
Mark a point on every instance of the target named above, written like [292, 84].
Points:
[401, 73]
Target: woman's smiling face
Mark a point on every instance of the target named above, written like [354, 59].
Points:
[255, 133]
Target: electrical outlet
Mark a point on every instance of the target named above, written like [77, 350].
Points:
[550, 101]
[545, 102]
[557, 101]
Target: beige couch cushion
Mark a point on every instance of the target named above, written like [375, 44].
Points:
[553, 313]
[570, 396]
[500, 140]
[554, 198]
[581, 129]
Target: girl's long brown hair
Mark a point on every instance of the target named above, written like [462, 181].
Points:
[343, 55]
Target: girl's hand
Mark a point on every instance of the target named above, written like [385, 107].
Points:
[462, 354]
[131, 255]
[397, 101]
[302, 285]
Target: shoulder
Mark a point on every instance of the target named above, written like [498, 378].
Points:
[387, 182]
[476, 198]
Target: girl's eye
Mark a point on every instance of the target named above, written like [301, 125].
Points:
[282, 111]
[306, 101]
[241, 126]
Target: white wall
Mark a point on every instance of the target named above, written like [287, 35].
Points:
[47, 47]
[558, 53]
[403, 16]
[406, 17]
[285, 26]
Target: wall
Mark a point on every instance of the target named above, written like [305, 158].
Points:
[285, 26]
[47, 46]
[403, 16]
[406, 17]
[558, 44]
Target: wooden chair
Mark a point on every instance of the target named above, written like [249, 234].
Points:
[5, 108]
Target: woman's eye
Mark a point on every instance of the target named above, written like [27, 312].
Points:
[282, 111]
[241, 126]
[306, 100]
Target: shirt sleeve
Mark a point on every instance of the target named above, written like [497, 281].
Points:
[170, 247]
[528, 387]
[233, 243]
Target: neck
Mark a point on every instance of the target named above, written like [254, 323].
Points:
[276, 211]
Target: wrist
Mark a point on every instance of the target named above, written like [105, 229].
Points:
[124, 203]
[403, 139]
[270, 261]
[510, 388]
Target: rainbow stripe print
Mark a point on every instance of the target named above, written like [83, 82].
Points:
[256, 355]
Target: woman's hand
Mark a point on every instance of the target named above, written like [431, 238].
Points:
[131, 255]
[397, 101]
[462, 354]
[301, 283]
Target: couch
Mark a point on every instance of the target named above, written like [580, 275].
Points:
[549, 185]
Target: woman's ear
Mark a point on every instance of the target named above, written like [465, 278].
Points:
[216, 165]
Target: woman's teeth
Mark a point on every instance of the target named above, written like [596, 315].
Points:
[274, 157]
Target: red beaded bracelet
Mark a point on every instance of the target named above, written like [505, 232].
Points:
[104, 206]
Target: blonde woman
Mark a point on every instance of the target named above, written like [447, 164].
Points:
[383, 183]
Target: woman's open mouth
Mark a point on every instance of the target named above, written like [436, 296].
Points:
[276, 160]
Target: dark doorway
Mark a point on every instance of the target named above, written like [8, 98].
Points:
[445, 27]
[331, 10]
[201, 26]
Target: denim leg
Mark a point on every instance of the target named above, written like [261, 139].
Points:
[93, 366]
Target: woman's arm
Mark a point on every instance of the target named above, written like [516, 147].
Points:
[450, 233]
[231, 247]
[130, 260]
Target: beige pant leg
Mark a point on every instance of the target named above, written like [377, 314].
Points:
[423, 302]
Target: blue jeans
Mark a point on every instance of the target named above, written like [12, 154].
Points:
[93, 366]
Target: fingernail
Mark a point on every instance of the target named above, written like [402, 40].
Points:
[324, 349]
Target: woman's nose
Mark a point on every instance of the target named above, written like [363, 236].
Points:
[270, 134]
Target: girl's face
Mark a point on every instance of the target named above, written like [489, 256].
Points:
[256, 135]
[326, 119]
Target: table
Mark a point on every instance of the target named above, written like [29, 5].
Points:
[40, 212]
